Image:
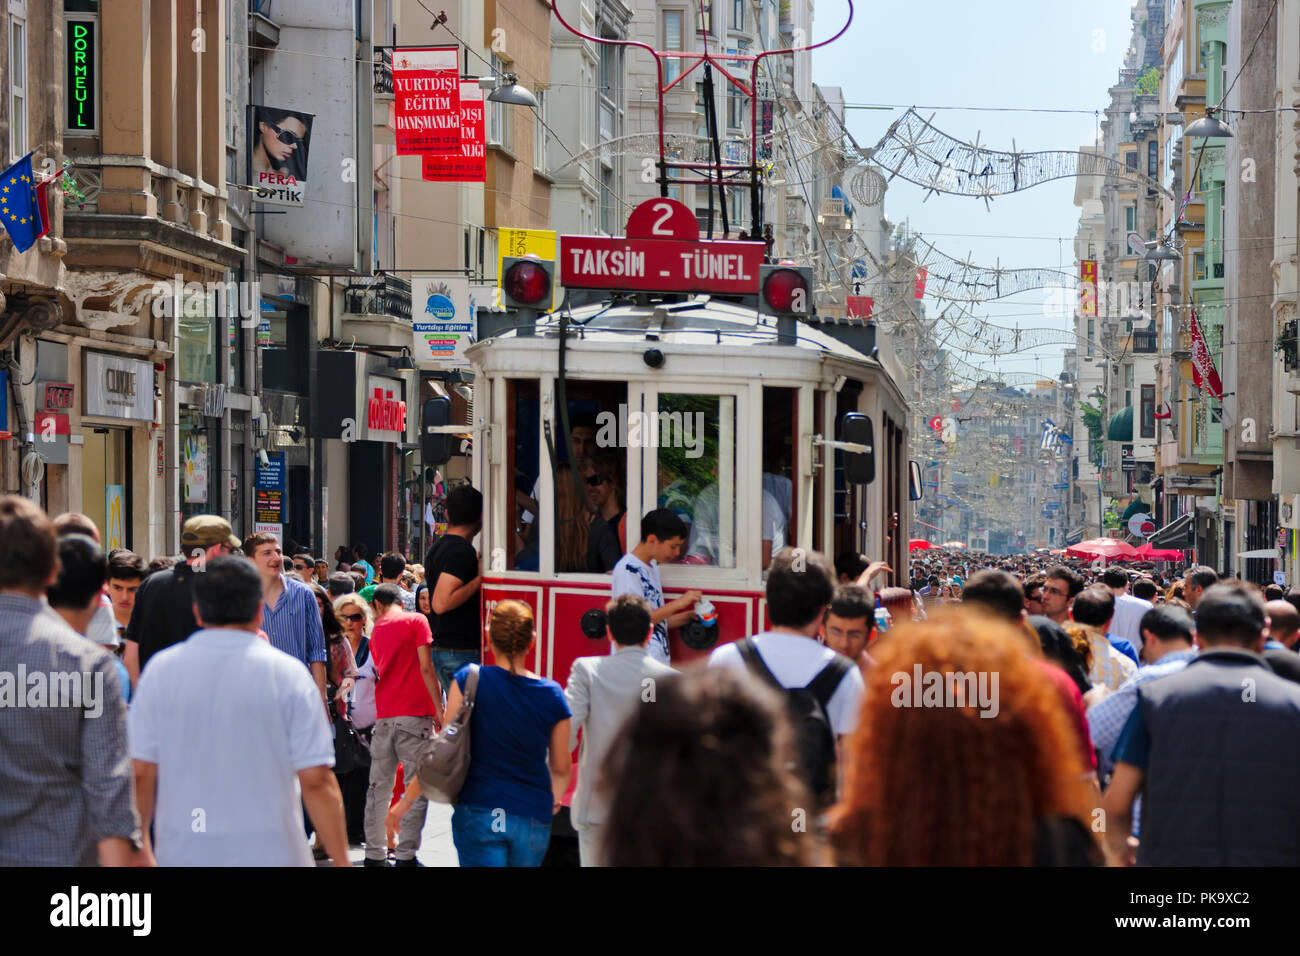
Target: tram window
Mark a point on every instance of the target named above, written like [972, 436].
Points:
[696, 437]
[522, 427]
[590, 500]
[779, 427]
[599, 453]
[848, 536]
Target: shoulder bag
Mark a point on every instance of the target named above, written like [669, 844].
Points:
[444, 762]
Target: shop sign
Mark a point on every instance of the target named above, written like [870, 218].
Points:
[118, 387]
[268, 503]
[59, 396]
[385, 412]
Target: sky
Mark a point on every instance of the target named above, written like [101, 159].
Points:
[941, 54]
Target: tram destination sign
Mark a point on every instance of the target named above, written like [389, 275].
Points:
[662, 252]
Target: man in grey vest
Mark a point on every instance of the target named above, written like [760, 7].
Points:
[602, 692]
[1214, 749]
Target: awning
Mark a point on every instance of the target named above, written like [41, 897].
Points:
[1176, 534]
[1135, 507]
[1121, 426]
[1075, 536]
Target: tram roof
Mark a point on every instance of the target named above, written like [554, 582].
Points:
[697, 321]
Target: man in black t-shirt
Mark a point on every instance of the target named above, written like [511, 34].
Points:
[452, 570]
[164, 606]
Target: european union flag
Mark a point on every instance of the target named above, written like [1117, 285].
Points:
[18, 209]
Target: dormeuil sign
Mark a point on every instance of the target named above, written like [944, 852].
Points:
[662, 252]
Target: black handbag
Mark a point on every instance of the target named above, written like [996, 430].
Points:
[349, 752]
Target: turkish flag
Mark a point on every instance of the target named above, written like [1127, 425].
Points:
[859, 306]
[1203, 372]
[921, 274]
[43, 203]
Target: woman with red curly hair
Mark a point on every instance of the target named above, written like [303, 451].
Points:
[980, 769]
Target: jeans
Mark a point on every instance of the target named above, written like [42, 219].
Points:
[495, 838]
[396, 740]
[446, 663]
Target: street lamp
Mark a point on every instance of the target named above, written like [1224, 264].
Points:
[1161, 252]
[1208, 126]
[512, 93]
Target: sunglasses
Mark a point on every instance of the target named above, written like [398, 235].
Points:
[301, 567]
[354, 618]
[596, 480]
[288, 137]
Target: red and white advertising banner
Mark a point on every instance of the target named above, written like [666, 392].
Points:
[1088, 287]
[662, 252]
[426, 99]
[859, 306]
[467, 164]
[921, 275]
[1204, 373]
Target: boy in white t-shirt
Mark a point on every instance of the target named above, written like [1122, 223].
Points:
[663, 535]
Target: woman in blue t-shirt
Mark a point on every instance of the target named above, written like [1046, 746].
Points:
[520, 763]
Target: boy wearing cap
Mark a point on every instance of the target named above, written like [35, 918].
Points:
[164, 606]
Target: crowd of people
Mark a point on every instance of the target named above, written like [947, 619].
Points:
[223, 708]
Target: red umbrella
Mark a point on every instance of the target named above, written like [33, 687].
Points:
[1159, 554]
[918, 544]
[1109, 549]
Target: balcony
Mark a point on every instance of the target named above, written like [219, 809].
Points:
[262, 30]
[134, 198]
[833, 213]
[377, 311]
[383, 72]
[385, 294]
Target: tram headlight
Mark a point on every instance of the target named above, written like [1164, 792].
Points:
[526, 282]
[785, 289]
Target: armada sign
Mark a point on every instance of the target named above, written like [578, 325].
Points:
[662, 252]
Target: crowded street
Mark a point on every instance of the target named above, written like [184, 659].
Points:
[691, 434]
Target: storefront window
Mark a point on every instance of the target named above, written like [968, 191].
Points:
[196, 339]
[199, 447]
[105, 465]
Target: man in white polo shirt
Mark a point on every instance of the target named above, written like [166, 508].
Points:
[225, 730]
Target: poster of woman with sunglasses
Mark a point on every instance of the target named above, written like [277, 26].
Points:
[279, 154]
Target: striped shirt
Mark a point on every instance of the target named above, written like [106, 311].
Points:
[294, 624]
[65, 771]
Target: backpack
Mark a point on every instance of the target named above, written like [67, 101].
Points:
[809, 718]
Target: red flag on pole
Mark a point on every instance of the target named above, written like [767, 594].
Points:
[921, 275]
[1203, 372]
[43, 201]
